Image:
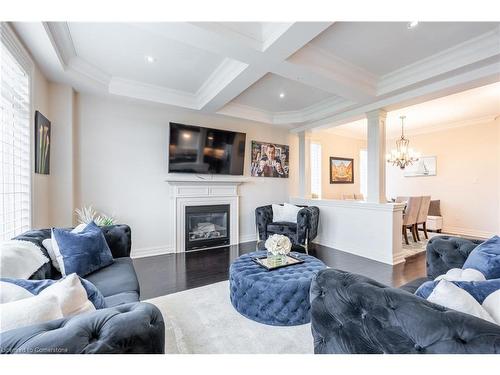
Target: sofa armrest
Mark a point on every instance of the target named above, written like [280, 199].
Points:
[307, 224]
[447, 252]
[119, 239]
[263, 217]
[354, 314]
[131, 328]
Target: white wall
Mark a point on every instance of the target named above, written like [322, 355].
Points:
[121, 165]
[338, 146]
[467, 180]
[61, 108]
[40, 182]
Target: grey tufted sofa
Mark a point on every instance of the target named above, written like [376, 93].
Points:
[125, 326]
[353, 314]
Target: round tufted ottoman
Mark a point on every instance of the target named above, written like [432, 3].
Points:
[279, 297]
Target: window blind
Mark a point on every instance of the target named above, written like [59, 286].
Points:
[315, 170]
[15, 149]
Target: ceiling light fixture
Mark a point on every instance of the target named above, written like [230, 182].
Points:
[412, 24]
[149, 59]
[282, 95]
[402, 156]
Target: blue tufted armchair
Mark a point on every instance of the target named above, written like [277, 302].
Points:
[300, 233]
[353, 314]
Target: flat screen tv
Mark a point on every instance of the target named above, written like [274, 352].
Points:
[194, 149]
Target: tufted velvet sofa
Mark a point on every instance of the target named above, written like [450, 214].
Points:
[300, 233]
[353, 314]
[125, 326]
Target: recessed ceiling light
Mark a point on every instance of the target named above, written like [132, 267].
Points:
[149, 59]
[412, 24]
[282, 95]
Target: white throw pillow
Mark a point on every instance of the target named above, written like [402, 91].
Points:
[492, 305]
[458, 274]
[53, 248]
[451, 296]
[47, 243]
[20, 259]
[287, 212]
[29, 311]
[71, 295]
[11, 292]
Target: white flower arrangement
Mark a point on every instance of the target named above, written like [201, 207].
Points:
[278, 244]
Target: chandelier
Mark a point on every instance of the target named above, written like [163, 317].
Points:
[402, 156]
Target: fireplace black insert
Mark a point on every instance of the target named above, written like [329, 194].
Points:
[207, 226]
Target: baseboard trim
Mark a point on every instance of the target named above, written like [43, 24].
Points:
[467, 232]
[248, 237]
[151, 251]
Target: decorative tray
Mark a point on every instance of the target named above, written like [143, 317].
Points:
[290, 261]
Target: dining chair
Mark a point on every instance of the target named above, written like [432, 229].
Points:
[423, 212]
[401, 199]
[348, 196]
[410, 217]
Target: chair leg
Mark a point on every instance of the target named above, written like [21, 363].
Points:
[413, 232]
[425, 231]
[405, 234]
[416, 231]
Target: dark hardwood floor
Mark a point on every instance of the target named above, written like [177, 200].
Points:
[170, 273]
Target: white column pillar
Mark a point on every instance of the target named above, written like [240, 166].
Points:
[304, 175]
[376, 156]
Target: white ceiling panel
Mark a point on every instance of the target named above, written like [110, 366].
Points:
[119, 50]
[382, 47]
[265, 95]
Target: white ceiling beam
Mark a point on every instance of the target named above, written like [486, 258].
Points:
[210, 37]
[470, 79]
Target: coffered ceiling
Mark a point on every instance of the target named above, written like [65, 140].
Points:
[301, 75]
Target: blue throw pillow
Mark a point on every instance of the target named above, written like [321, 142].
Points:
[486, 258]
[82, 253]
[36, 286]
[477, 289]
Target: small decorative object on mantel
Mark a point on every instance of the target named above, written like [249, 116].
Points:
[42, 144]
[403, 155]
[88, 214]
[278, 246]
[341, 170]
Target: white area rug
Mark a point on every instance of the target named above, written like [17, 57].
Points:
[417, 247]
[203, 321]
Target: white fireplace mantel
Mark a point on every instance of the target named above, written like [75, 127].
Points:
[194, 180]
[193, 191]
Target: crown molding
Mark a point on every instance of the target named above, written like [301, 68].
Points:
[448, 125]
[139, 90]
[316, 111]
[61, 40]
[15, 47]
[420, 130]
[246, 112]
[316, 57]
[225, 73]
[471, 51]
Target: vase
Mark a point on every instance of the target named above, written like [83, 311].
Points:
[275, 260]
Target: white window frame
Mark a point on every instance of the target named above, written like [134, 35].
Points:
[15, 47]
[316, 169]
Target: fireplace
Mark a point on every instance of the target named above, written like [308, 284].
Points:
[207, 226]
